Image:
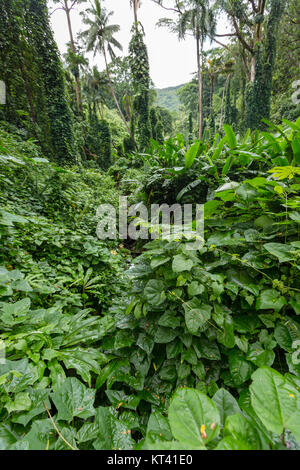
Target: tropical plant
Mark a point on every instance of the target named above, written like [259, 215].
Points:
[100, 38]
[199, 18]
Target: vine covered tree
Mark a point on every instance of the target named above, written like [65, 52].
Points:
[255, 26]
[99, 37]
[139, 65]
[31, 68]
[67, 7]
[49, 63]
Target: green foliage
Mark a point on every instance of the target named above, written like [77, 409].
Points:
[156, 125]
[128, 345]
[34, 77]
[56, 282]
[265, 419]
[209, 318]
[139, 65]
[168, 98]
[259, 90]
[286, 68]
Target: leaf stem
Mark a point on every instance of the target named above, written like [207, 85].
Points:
[56, 428]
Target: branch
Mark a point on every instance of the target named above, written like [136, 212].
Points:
[177, 10]
[245, 65]
[226, 35]
[218, 42]
[239, 34]
[263, 5]
[58, 8]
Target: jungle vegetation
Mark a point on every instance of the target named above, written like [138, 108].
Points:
[148, 345]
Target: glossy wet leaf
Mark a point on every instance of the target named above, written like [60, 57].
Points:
[193, 417]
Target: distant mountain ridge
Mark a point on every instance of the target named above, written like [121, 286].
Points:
[167, 97]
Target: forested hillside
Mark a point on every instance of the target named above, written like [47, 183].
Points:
[126, 329]
[168, 97]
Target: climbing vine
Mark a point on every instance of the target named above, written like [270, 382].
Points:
[139, 65]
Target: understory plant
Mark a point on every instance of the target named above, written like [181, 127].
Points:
[172, 349]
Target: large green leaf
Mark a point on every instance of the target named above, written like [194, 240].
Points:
[83, 361]
[154, 292]
[72, 398]
[196, 315]
[39, 436]
[283, 337]
[181, 263]
[20, 402]
[260, 356]
[226, 404]
[239, 434]
[165, 335]
[230, 135]
[112, 433]
[193, 417]
[227, 336]
[275, 401]
[7, 436]
[281, 251]
[38, 398]
[157, 261]
[158, 426]
[270, 299]
[192, 153]
[240, 369]
[244, 280]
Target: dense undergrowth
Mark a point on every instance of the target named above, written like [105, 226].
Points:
[101, 343]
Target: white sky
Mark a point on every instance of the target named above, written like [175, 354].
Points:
[171, 62]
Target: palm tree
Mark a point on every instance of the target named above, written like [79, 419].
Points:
[199, 19]
[100, 38]
[95, 90]
[136, 5]
[67, 8]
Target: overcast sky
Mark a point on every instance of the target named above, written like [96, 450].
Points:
[171, 62]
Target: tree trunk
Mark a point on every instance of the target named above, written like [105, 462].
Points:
[135, 9]
[257, 38]
[28, 92]
[223, 99]
[199, 68]
[100, 110]
[73, 49]
[115, 98]
[211, 92]
[253, 63]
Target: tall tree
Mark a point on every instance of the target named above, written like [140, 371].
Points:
[255, 25]
[286, 70]
[32, 70]
[67, 7]
[135, 5]
[53, 80]
[139, 64]
[198, 17]
[100, 38]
